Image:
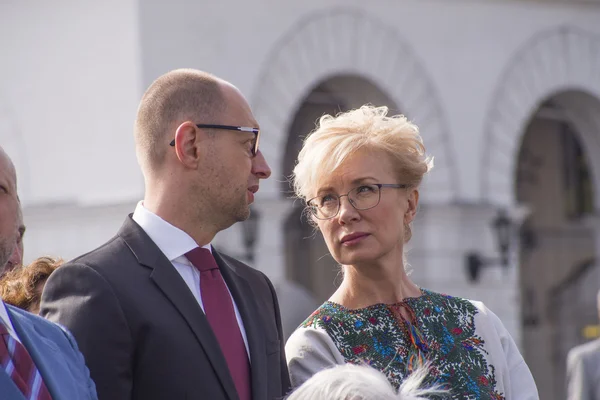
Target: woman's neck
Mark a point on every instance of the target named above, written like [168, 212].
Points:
[365, 285]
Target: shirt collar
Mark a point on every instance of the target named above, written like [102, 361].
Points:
[172, 241]
[5, 319]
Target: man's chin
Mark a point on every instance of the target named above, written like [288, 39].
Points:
[4, 270]
[10, 267]
[244, 214]
[240, 215]
[4, 266]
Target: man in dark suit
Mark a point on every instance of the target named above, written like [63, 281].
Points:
[157, 312]
[583, 369]
[38, 359]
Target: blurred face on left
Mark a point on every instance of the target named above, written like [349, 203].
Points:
[9, 210]
[16, 258]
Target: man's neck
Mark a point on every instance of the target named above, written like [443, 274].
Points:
[202, 231]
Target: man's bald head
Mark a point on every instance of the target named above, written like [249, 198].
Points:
[9, 209]
[178, 96]
[7, 165]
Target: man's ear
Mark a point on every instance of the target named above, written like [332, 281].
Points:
[187, 144]
[413, 204]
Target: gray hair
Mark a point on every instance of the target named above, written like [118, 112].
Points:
[361, 382]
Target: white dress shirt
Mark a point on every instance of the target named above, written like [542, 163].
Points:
[5, 319]
[175, 243]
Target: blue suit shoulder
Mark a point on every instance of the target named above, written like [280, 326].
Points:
[42, 325]
[56, 355]
[586, 350]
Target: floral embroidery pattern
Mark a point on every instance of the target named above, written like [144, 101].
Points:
[442, 332]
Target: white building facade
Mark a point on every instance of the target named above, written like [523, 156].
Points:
[506, 94]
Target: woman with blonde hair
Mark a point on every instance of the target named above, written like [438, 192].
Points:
[359, 173]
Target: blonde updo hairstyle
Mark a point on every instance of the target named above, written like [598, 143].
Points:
[367, 128]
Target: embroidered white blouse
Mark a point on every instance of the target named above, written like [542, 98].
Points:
[470, 351]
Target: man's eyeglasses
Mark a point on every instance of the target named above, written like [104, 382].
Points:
[362, 197]
[256, 132]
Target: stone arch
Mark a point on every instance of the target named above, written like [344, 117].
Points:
[561, 62]
[341, 41]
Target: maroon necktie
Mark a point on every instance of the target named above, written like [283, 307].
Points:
[17, 364]
[220, 313]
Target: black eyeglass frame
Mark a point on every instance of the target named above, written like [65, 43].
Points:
[256, 132]
[379, 185]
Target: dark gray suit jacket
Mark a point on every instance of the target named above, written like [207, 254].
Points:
[144, 335]
[583, 372]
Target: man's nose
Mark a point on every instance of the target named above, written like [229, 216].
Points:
[16, 258]
[260, 167]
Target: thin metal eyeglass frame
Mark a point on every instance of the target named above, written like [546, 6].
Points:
[256, 132]
[379, 185]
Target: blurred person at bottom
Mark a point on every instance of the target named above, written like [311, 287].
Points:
[583, 369]
[39, 360]
[361, 382]
[22, 287]
[359, 173]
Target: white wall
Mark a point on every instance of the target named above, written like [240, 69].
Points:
[74, 71]
[69, 89]
[68, 231]
[465, 45]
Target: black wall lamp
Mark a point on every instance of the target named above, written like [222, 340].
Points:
[475, 262]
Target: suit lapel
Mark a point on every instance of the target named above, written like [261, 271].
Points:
[8, 388]
[174, 288]
[245, 300]
[43, 352]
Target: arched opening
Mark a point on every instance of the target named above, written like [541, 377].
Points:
[554, 179]
[308, 263]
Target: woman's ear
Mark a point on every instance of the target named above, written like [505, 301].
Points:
[413, 204]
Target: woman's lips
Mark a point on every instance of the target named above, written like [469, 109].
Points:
[353, 238]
